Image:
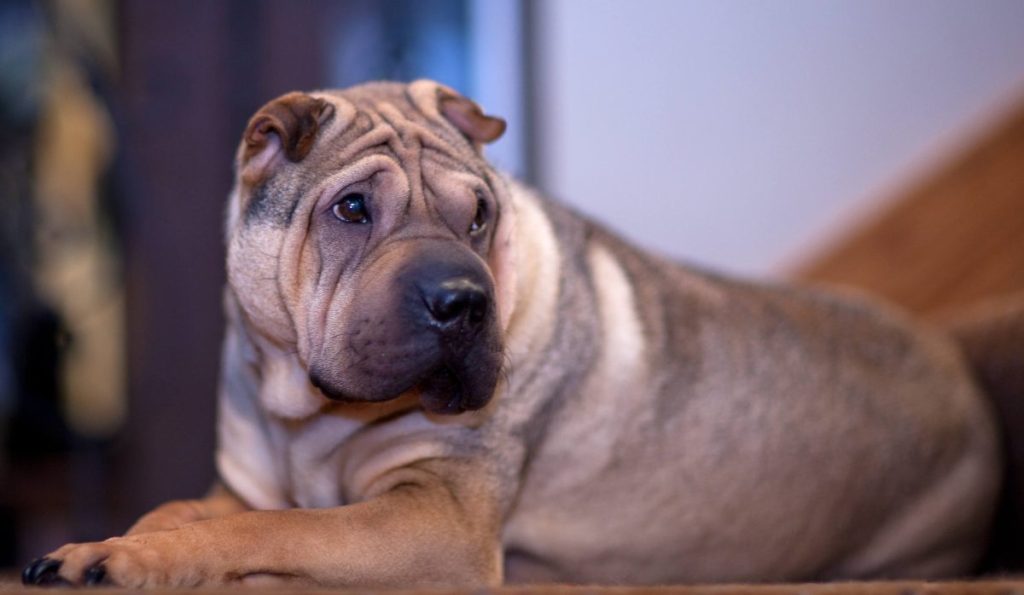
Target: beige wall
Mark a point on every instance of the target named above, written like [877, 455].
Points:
[740, 134]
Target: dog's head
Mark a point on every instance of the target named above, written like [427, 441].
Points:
[367, 234]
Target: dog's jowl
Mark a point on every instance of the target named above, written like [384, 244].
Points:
[434, 376]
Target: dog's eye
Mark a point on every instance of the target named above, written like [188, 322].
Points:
[351, 209]
[480, 219]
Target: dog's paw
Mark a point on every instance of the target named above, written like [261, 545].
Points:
[45, 572]
[42, 572]
[119, 561]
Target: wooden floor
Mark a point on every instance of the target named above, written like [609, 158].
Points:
[10, 583]
[953, 239]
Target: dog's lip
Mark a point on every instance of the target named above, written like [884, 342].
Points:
[340, 396]
[441, 392]
[447, 387]
[432, 400]
[439, 405]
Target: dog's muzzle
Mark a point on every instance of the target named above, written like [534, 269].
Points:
[433, 328]
[459, 305]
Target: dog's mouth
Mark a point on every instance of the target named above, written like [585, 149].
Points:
[447, 392]
[442, 391]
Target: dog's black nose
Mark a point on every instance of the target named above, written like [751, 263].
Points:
[456, 302]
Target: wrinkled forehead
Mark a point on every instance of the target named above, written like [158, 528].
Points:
[374, 128]
[402, 120]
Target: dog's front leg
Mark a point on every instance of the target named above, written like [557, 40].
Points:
[420, 531]
[173, 515]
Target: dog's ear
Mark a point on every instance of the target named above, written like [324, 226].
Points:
[468, 118]
[286, 127]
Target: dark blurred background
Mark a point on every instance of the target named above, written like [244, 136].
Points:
[119, 123]
[874, 143]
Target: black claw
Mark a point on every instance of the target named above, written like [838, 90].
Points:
[42, 572]
[29, 573]
[95, 575]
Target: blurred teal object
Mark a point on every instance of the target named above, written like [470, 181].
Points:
[399, 40]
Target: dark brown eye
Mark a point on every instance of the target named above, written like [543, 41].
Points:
[480, 219]
[351, 209]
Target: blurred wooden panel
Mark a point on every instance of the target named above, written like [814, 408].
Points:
[955, 238]
[193, 73]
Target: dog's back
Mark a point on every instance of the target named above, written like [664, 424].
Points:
[737, 431]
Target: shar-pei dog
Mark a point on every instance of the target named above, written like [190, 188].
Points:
[434, 376]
